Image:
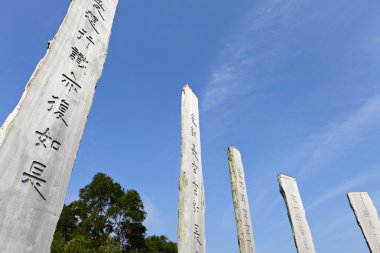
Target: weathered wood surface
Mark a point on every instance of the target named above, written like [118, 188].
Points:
[367, 218]
[296, 213]
[40, 138]
[191, 209]
[240, 200]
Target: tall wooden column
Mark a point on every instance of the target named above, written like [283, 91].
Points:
[367, 218]
[296, 213]
[191, 209]
[40, 138]
[240, 200]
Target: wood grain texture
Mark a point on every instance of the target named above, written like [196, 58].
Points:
[40, 138]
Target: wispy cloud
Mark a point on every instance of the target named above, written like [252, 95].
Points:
[223, 81]
[233, 73]
[344, 134]
[347, 186]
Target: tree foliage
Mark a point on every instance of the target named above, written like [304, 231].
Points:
[160, 244]
[106, 219]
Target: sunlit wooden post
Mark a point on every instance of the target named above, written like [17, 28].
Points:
[191, 209]
[240, 200]
[296, 213]
[367, 218]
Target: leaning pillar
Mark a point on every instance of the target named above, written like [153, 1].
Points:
[39, 140]
[240, 200]
[296, 213]
[367, 218]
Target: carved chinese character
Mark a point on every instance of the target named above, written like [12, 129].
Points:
[193, 120]
[98, 4]
[241, 185]
[250, 245]
[89, 38]
[298, 217]
[243, 198]
[301, 229]
[52, 102]
[193, 132]
[62, 108]
[45, 137]
[195, 207]
[245, 214]
[92, 19]
[294, 198]
[197, 235]
[195, 188]
[34, 176]
[71, 82]
[248, 228]
[78, 57]
[239, 174]
[195, 168]
[195, 153]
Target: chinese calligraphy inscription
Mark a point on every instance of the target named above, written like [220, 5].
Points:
[191, 225]
[367, 218]
[39, 141]
[240, 200]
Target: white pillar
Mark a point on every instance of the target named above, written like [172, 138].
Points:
[40, 138]
[367, 218]
[191, 208]
[240, 200]
[296, 213]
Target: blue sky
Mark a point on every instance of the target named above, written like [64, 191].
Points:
[295, 85]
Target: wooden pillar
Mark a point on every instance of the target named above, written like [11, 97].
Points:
[191, 209]
[240, 200]
[296, 213]
[39, 140]
[367, 218]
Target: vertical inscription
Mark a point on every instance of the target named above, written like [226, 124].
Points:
[59, 106]
[191, 227]
[367, 218]
[297, 216]
[240, 200]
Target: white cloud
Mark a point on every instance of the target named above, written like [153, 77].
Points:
[223, 81]
[243, 51]
[347, 186]
[345, 134]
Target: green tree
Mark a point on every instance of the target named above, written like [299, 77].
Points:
[92, 209]
[127, 217]
[106, 219]
[160, 244]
